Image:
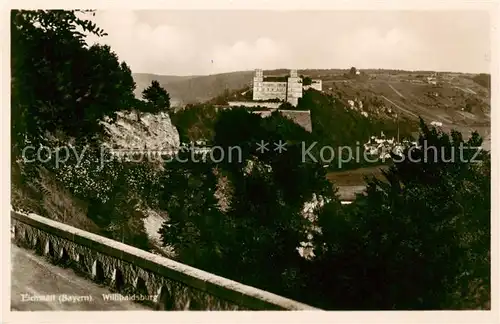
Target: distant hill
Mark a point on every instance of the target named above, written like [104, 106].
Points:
[192, 89]
[483, 79]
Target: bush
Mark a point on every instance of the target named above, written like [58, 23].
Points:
[418, 241]
[245, 212]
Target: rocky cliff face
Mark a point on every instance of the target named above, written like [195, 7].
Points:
[142, 131]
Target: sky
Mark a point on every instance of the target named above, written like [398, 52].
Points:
[204, 42]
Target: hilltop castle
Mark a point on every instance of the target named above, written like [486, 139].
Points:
[287, 88]
[270, 92]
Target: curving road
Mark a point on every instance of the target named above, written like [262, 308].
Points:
[37, 285]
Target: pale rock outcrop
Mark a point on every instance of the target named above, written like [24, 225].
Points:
[148, 131]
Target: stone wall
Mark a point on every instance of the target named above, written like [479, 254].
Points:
[125, 268]
[254, 104]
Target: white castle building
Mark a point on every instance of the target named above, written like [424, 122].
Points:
[283, 88]
[270, 92]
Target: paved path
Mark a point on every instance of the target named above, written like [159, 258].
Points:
[396, 91]
[399, 107]
[467, 90]
[34, 279]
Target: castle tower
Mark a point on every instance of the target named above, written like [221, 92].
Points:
[294, 88]
[257, 84]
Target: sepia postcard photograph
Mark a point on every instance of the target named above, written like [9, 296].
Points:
[233, 159]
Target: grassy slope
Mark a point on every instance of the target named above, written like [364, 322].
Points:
[48, 198]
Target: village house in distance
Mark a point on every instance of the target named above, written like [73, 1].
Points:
[272, 91]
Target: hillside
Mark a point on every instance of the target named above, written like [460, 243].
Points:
[193, 89]
[60, 193]
[458, 100]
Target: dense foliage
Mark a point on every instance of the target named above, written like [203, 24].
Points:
[260, 227]
[195, 122]
[306, 80]
[157, 97]
[59, 84]
[115, 191]
[61, 90]
[351, 128]
[418, 240]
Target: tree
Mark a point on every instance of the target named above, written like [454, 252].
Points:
[246, 211]
[59, 84]
[418, 240]
[306, 81]
[61, 89]
[287, 106]
[187, 195]
[157, 97]
[195, 122]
